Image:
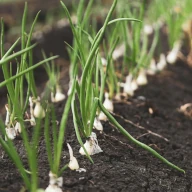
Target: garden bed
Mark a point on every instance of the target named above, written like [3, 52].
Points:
[152, 116]
[122, 166]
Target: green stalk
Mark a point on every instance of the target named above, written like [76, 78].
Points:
[61, 133]
[87, 13]
[92, 116]
[147, 59]
[5, 69]
[14, 55]
[89, 95]
[143, 52]
[111, 22]
[76, 126]
[127, 41]
[95, 43]
[9, 50]
[23, 55]
[30, 77]
[80, 11]
[31, 84]
[62, 170]
[26, 71]
[74, 31]
[34, 153]
[48, 141]
[96, 93]
[109, 69]
[54, 130]
[2, 38]
[88, 63]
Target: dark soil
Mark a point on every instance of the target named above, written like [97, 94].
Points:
[121, 167]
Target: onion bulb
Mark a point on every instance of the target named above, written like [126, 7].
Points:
[173, 54]
[142, 78]
[73, 163]
[162, 62]
[39, 112]
[91, 146]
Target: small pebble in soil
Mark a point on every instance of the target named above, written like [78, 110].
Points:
[141, 98]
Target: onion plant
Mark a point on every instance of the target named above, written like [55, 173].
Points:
[135, 50]
[54, 149]
[53, 90]
[84, 117]
[17, 102]
[24, 70]
[173, 13]
[137, 55]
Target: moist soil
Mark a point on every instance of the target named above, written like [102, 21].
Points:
[123, 166]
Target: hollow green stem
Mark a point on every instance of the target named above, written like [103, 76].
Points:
[25, 71]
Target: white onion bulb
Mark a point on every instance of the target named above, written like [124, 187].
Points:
[108, 104]
[18, 127]
[91, 146]
[53, 188]
[102, 116]
[59, 96]
[55, 183]
[152, 68]
[142, 78]
[128, 89]
[162, 62]
[39, 112]
[173, 54]
[148, 29]
[103, 61]
[10, 133]
[118, 52]
[73, 163]
[97, 124]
